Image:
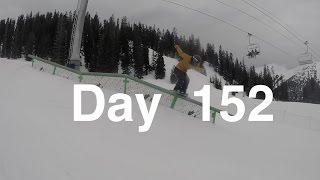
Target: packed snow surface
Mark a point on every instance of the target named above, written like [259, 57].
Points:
[39, 140]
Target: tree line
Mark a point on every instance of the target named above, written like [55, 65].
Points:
[118, 46]
[235, 72]
[109, 46]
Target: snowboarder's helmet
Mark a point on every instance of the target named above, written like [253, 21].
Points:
[196, 59]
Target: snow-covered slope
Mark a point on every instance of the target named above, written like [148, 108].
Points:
[296, 78]
[39, 139]
[288, 73]
[279, 69]
[298, 81]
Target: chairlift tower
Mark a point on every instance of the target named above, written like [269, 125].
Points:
[76, 36]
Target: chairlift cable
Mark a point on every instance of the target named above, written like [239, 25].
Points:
[279, 23]
[286, 37]
[225, 22]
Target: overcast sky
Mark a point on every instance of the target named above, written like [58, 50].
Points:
[301, 15]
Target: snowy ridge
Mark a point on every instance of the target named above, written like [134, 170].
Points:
[279, 70]
[288, 73]
[308, 71]
[297, 82]
[296, 78]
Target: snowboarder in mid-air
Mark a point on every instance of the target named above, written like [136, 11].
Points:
[186, 63]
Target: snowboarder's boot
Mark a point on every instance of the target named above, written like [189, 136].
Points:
[180, 93]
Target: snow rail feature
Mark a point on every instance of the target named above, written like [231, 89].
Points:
[127, 85]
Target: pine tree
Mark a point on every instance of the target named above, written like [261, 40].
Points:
[155, 39]
[252, 79]
[111, 49]
[281, 92]
[117, 45]
[29, 48]
[17, 43]
[68, 26]
[268, 78]
[138, 55]
[154, 60]
[168, 43]
[126, 50]
[39, 32]
[107, 60]
[147, 67]
[218, 84]
[102, 63]
[173, 77]
[244, 78]
[160, 71]
[8, 39]
[87, 41]
[2, 30]
[311, 91]
[210, 56]
[221, 61]
[237, 72]
[28, 28]
[96, 34]
[59, 49]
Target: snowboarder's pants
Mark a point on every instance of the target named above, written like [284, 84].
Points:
[183, 81]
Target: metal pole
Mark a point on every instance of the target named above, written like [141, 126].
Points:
[76, 38]
[249, 34]
[307, 44]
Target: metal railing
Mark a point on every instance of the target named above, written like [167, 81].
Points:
[125, 84]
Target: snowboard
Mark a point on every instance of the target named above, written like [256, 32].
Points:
[179, 94]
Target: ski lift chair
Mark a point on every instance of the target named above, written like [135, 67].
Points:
[305, 58]
[253, 50]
